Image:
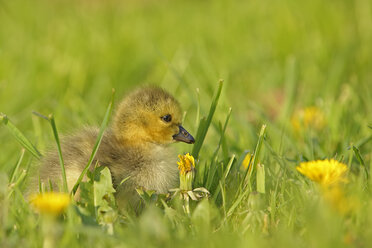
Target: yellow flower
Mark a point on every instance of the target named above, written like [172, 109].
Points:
[324, 172]
[337, 198]
[186, 163]
[247, 159]
[186, 166]
[52, 203]
[309, 117]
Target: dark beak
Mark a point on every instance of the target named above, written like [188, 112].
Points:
[184, 136]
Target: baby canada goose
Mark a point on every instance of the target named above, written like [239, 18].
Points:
[134, 146]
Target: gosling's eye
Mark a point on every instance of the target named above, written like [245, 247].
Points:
[167, 118]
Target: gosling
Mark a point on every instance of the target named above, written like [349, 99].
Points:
[134, 147]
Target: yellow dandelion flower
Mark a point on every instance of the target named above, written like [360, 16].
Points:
[324, 172]
[52, 203]
[186, 167]
[337, 198]
[186, 163]
[310, 117]
[314, 117]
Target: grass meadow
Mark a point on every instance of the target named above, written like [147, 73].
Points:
[297, 87]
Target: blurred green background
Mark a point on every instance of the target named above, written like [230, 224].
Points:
[63, 57]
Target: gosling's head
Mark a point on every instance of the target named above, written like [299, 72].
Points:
[150, 115]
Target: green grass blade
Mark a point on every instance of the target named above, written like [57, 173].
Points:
[363, 141]
[199, 133]
[228, 168]
[290, 88]
[56, 137]
[211, 172]
[225, 174]
[236, 203]
[98, 142]
[21, 177]
[17, 183]
[351, 151]
[197, 119]
[39, 183]
[223, 196]
[260, 178]
[12, 176]
[18, 135]
[50, 185]
[204, 125]
[40, 115]
[52, 123]
[256, 155]
[257, 151]
[213, 166]
[361, 161]
[124, 180]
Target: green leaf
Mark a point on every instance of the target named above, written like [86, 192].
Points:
[86, 198]
[148, 196]
[97, 195]
[103, 190]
